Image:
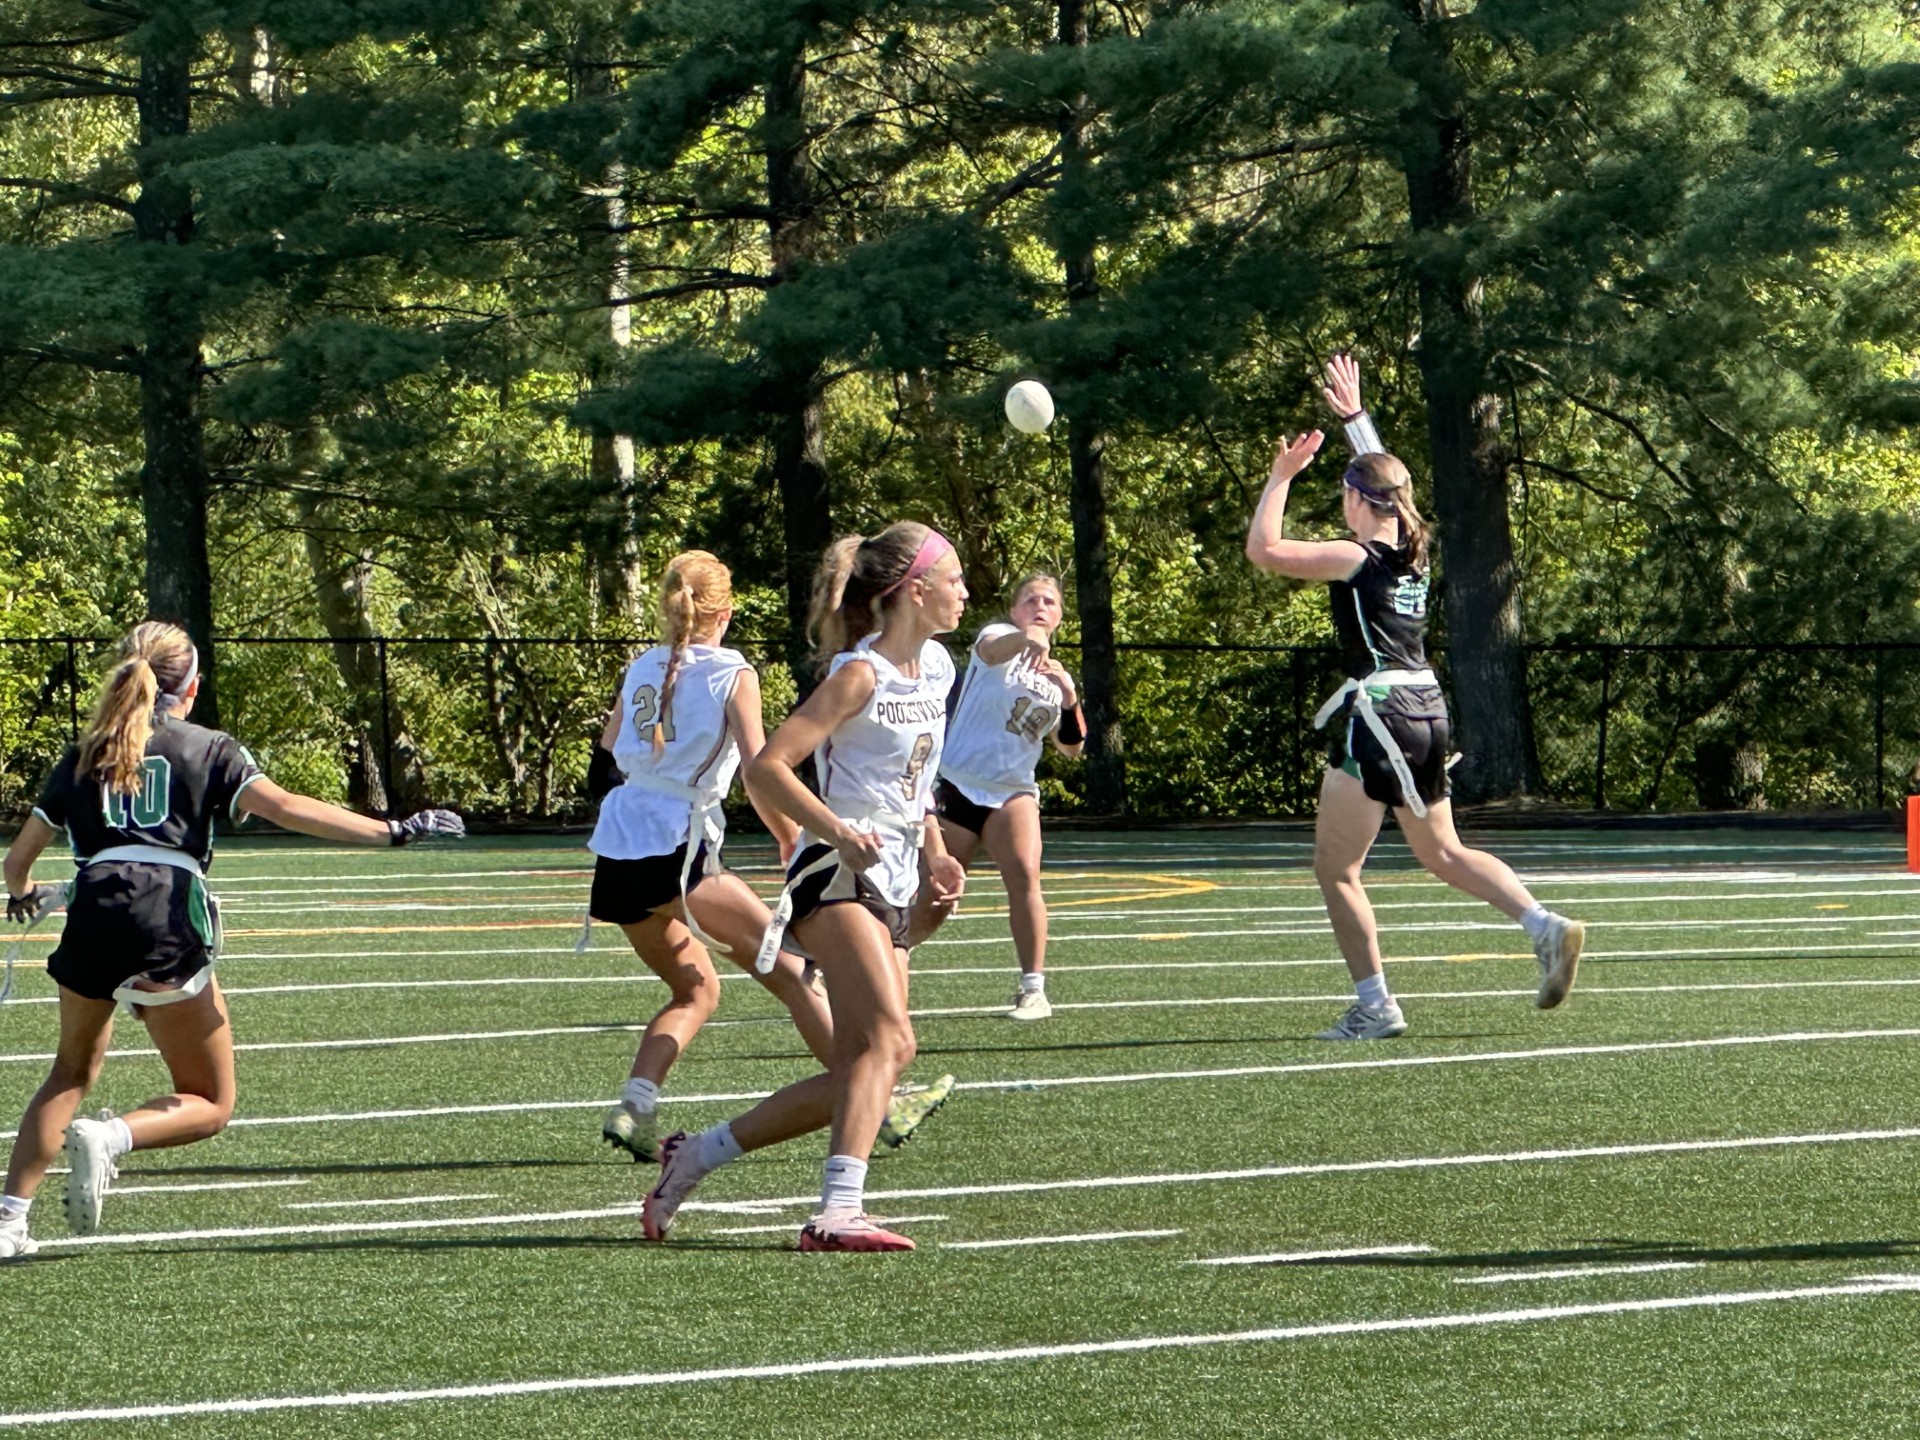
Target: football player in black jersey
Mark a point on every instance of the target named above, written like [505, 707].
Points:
[1390, 731]
[137, 798]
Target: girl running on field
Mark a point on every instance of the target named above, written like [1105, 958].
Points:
[1015, 696]
[687, 714]
[874, 728]
[137, 798]
[1390, 730]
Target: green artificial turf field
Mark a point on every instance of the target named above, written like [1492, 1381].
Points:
[1686, 1203]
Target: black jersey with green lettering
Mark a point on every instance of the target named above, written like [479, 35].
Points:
[1380, 614]
[190, 776]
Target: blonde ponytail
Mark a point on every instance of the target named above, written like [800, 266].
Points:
[853, 575]
[695, 591]
[156, 660]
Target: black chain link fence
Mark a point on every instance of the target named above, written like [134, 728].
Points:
[502, 728]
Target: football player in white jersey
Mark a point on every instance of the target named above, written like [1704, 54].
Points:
[1015, 697]
[687, 713]
[874, 727]
[137, 798]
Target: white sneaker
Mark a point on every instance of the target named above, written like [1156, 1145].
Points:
[1030, 1005]
[89, 1147]
[1368, 1022]
[14, 1240]
[1558, 952]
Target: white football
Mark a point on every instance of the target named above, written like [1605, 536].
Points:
[1029, 407]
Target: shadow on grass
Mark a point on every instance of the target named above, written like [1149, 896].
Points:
[452, 1244]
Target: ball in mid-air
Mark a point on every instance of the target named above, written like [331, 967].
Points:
[1029, 407]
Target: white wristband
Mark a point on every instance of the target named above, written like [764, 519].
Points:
[1362, 438]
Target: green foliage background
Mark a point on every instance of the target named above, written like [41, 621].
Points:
[1695, 256]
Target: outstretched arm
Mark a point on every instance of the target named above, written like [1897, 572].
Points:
[1342, 394]
[1267, 545]
[329, 822]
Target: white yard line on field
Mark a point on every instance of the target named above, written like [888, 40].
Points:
[1852, 1290]
[961, 1011]
[1095, 1237]
[765, 1205]
[1301, 1257]
[380, 1204]
[1580, 1272]
[120, 1190]
[1397, 1062]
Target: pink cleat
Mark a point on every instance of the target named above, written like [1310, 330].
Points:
[850, 1232]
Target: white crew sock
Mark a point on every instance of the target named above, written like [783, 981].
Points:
[12, 1207]
[119, 1137]
[641, 1095]
[846, 1185]
[1034, 983]
[1535, 920]
[715, 1147]
[1373, 992]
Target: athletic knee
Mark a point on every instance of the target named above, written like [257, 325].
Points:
[889, 1040]
[70, 1072]
[1332, 874]
[696, 988]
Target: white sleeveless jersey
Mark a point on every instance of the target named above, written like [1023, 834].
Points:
[878, 767]
[650, 813]
[1003, 718]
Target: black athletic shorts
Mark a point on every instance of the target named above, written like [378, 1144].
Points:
[811, 894]
[967, 814]
[625, 892]
[131, 918]
[1425, 741]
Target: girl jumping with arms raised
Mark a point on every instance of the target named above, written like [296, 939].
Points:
[1390, 727]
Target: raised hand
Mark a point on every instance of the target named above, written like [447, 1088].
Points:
[1342, 390]
[1290, 457]
[427, 825]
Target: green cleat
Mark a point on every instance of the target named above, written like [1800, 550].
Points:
[908, 1110]
[631, 1131]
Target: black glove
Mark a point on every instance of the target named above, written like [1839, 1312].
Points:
[603, 775]
[427, 825]
[27, 908]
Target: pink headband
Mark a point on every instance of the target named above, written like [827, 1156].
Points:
[935, 548]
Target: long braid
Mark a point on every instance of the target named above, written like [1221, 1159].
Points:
[696, 590]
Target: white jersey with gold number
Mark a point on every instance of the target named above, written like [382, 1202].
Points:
[1001, 722]
[651, 813]
[876, 769]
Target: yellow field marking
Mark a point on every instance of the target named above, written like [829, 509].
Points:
[1173, 887]
[1832, 907]
[1486, 955]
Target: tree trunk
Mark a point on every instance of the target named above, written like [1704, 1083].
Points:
[799, 450]
[173, 474]
[614, 553]
[1086, 455]
[1486, 664]
[384, 773]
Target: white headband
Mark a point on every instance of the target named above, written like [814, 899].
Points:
[169, 699]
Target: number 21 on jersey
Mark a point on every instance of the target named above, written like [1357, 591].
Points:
[646, 709]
